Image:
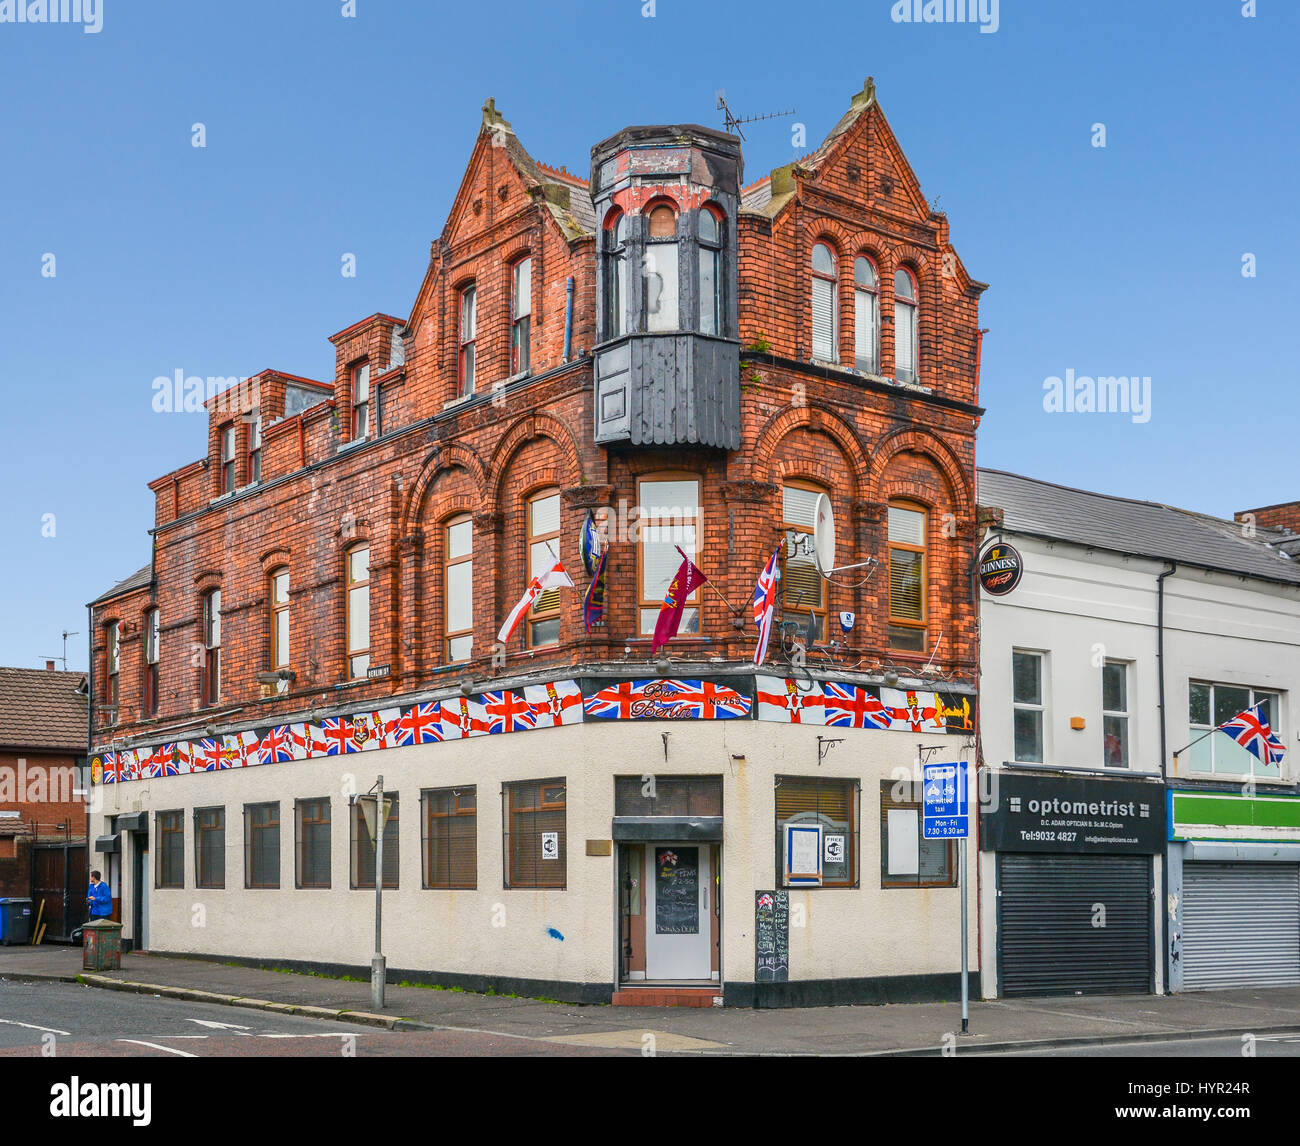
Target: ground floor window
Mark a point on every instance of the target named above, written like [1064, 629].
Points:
[262, 845]
[451, 837]
[816, 832]
[171, 849]
[536, 854]
[313, 843]
[906, 859]
[363, 847]
[650, 795]
[210, 847]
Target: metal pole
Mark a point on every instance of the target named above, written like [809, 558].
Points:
[965, 974]
[377, 971]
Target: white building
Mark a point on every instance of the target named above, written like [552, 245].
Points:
[1118, 632]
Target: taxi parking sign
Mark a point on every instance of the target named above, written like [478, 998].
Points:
[945, 807]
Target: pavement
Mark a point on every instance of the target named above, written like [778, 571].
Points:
[996, 1026]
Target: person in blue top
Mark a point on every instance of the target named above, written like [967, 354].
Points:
[99, 898]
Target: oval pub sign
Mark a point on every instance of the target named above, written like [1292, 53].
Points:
[1000, 569]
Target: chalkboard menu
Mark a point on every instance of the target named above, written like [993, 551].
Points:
[772, 937]
[677, 890]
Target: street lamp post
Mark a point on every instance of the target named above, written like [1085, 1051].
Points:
[375, 810]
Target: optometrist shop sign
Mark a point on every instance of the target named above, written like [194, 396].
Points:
[1072, 814]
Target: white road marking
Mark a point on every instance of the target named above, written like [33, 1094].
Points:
[159, 1046]
[313, 1035]
[220, 1026]
[33, 1027]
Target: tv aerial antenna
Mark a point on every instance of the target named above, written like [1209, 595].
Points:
[733, 121]
[64, 658]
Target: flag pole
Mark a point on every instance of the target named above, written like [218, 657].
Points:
[734, 611]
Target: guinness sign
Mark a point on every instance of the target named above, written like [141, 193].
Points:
[1000, 569]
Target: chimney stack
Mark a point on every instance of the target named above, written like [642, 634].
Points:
[49, 666]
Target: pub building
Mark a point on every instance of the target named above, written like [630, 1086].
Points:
[574, 812]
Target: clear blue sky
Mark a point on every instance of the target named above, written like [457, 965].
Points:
[328, 135]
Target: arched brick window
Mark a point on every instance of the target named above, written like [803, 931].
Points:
[866, 316]
[905, 326]
[825, 304]
[908, 575]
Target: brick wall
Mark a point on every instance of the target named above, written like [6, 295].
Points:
[866, 442]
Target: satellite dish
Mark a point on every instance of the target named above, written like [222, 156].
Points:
[824, 533]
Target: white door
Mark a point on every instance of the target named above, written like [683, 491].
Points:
[678, 935]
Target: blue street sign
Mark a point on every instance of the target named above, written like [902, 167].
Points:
[945, 806]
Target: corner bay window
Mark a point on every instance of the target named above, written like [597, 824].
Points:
[543, 549]
[262, 845]
[451, 837]
[907, 578]
[358, 621]
[312, 866]
[616, 277]
[816, 832]
[711, 302]
[803, 591]
[907, 859]
[209, 847]
[669, 518]
[660, 270]
[363, 847]
[536, 852]
[459, 588]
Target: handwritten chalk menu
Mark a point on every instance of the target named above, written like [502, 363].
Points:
[772, 937]
[677, 890]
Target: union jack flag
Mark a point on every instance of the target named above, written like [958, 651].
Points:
[616, 702]
[783, 700]
[765, 603]
[1251, 730]
[508, 712]
[848, 706]
[151, 762]
[462, 718]
[276, 746]
[212, 754]
[339, 740]
[110, 766]
[555, 703]
[173, 759]
[419, 724]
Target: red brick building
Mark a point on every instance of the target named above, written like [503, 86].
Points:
[701, 356]
[43, 788]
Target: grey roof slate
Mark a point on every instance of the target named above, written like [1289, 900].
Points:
[139, 578]
[1142, 528]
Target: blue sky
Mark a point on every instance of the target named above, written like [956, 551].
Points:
[328, 135]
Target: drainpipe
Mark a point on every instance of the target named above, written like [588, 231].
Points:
[1164, 779]
[568, 318]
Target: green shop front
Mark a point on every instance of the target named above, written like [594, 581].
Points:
[1234, 890]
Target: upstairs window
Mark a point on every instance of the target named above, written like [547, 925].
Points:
[113, 640]
[227, 458]
[543, 549]
[905, 334]
[616, 278]
[1211, 705]
[1028, 708]
[825, 304]
[468, 334]
[459, 587]
[711, 318]
[865, 315]
[660, 270]
[280, 619]
[907, 574]
[803, 591]
[358, 589]
[151, 662]
[212, 647]
[521, 310]
[1114, 718]
[360, 401]
[670, 510]
[255, 449]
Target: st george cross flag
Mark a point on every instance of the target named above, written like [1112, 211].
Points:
[765, 603]
[1250, 729]
[593, 604]
[684, 583]
[552, 578]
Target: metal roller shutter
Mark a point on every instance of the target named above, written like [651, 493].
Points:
[1047, 941]
[1241, 925]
